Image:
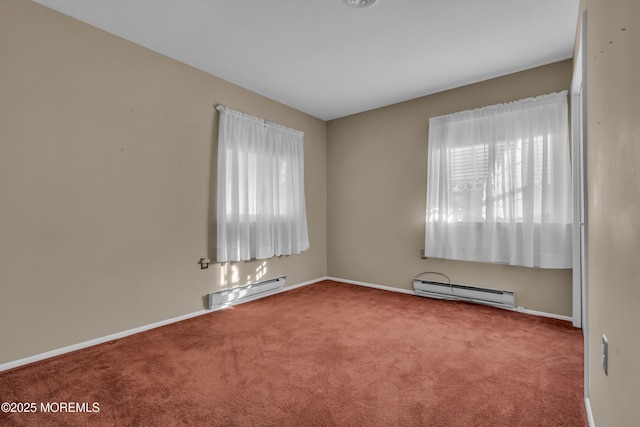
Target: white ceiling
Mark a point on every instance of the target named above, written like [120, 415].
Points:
[329, 60]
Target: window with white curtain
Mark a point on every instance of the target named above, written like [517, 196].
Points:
[499, 184]
[261, 203]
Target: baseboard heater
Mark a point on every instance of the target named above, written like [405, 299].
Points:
[440, 290]
[246, 293]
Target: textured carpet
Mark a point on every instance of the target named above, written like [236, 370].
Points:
[328, 354]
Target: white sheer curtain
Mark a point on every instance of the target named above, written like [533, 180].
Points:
[261, 203]
[499, 184]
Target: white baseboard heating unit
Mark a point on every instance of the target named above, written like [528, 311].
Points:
[246, 293]
[450, 291]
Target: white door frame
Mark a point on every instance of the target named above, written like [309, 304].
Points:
[579, 165]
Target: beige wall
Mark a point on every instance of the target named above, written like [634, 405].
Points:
[107, 164]
[613, 169]
[377, 189]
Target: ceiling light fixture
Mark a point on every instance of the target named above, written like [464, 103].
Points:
[359, 3]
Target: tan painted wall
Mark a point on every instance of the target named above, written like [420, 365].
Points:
[613, 151]
[377, 190]
[107, 162]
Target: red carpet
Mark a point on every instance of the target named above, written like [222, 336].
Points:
[328, 354]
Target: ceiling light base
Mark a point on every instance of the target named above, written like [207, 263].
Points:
[359, 3]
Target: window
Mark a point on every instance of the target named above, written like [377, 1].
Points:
[261, 202]
[499, 184]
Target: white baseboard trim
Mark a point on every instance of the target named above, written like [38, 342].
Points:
[372, 285]
[310, 282]
[410, 292]
[90, 343]
[544, 314]
[587, 406]
[96, 341]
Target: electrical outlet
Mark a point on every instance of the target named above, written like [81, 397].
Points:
[204, 263]
[605, 355]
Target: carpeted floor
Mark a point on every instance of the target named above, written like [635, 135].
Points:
[328, 354]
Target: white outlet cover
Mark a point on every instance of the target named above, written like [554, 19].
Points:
[605, 355]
